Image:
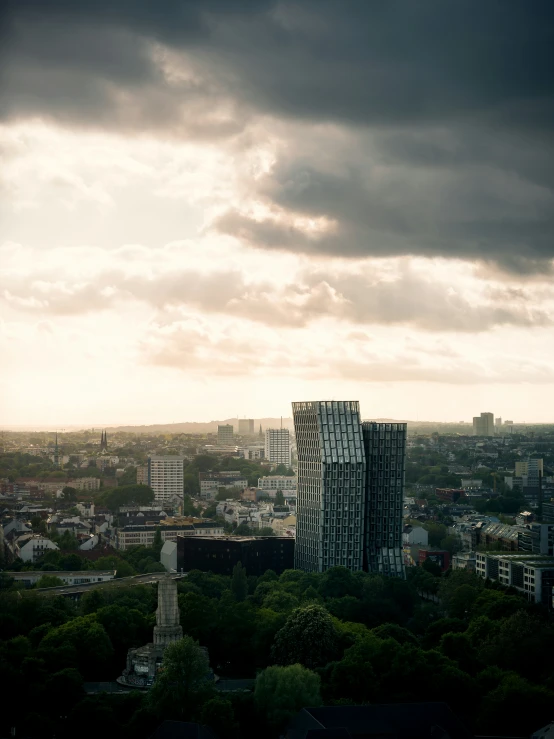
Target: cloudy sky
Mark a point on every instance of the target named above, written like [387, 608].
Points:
[211, 208]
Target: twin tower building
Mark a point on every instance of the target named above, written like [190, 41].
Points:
[350, 489]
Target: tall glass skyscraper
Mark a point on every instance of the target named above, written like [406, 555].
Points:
[350, 488]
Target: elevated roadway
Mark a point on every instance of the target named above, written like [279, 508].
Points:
[77, 591]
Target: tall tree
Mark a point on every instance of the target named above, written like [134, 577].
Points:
[308, 637]
[281, 692]
[157, 543]
[184, 679]
[239, 582]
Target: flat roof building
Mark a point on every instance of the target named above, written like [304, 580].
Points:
[532, 575]
[219, 555]
[129, 536]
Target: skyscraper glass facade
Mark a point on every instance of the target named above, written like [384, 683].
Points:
[350, 487]
[385, 452]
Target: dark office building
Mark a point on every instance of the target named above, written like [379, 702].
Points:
[219, 554]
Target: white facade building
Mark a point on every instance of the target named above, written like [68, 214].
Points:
[165, 476]
[84, 483]
[277, 446]
[272, 483]
[78, 577]
[129, 536]
[210, 482]
[531, 574]
[30, 547]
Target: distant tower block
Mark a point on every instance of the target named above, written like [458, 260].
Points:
[246, 426]
[168, 628]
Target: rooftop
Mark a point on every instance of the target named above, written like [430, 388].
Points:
[416, 720]
[533, 560]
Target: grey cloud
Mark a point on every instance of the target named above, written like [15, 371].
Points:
[457, 99]
[358, 60]
[409, 299]
[458, 198]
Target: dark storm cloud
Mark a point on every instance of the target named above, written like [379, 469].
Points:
[458, 98]
[458, 194]
[356, 60]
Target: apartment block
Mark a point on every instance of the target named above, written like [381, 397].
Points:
[277, 446]
[165, 476]
[272, 483]
[531, 574]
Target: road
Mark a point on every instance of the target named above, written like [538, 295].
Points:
[75, 591]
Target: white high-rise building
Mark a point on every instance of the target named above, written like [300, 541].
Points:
[165, 476]
[277, 446]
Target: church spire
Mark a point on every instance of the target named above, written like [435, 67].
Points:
[104, 441]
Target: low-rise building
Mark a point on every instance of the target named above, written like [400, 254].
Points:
[464, 561]
[272, 483]
[211, 482]
[415, 535]
[501, 535]
[532, 575]
[439, 556]
[285, 526]
[85, 509]
[252, 451]
[84, 483]
[449, 495]
[30, 547]
[130, 536]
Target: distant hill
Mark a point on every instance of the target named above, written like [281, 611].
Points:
[190, 427]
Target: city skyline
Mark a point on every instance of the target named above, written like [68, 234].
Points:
[183, 210]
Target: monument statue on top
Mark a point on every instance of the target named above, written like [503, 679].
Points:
[144, 662]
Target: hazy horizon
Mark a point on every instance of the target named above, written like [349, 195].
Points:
[287, 422]
[216, 208]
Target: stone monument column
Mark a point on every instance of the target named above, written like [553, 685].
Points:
[168, 628]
